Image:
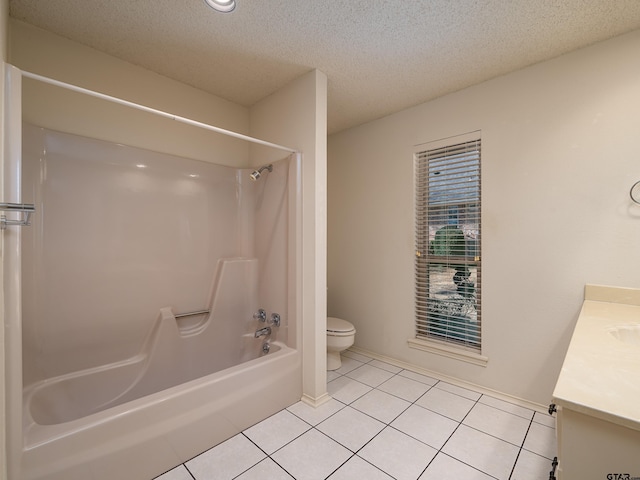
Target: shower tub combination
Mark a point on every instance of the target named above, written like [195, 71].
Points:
[143, 280]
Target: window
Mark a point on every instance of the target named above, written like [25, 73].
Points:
[447, 263]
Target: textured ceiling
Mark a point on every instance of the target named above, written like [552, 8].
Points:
[380, 56]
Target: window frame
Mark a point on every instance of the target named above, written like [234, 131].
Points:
[457, 156]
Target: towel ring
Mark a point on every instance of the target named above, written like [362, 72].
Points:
[634, 193]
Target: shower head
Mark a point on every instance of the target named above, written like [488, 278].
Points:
[255, 175]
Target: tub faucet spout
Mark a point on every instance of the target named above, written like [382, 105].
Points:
[263, 331]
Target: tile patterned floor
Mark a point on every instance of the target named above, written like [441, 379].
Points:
[386, 423]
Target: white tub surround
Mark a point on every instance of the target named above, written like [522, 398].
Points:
[197, 246]
[599, 386]
[294, 115]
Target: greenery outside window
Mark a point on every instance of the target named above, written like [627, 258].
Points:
[448, 232]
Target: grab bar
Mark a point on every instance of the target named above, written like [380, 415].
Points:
[191, 314]
[26, 208]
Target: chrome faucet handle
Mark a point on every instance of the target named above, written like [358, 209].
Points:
[260, 315]
[275, 319]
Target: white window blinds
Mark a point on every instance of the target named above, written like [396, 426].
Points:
[447, 268]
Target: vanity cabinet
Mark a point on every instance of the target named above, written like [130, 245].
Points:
[592, 448]
[597, 394]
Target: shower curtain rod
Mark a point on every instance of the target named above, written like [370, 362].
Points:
[137, 106]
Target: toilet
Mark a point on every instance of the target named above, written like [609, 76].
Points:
[340, 336]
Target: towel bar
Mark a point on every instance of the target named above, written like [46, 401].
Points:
[190, 314]
[26, 208]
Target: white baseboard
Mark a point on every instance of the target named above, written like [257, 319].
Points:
[454, 381]
[315, 402]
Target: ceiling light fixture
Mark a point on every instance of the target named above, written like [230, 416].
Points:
[224, 6]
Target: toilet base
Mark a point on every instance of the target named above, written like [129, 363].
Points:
[334, 361]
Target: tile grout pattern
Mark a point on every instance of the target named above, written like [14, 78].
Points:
[386, 423]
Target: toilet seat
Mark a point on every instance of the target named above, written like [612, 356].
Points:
[337, 327]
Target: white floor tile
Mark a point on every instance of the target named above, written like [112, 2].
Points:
[503, 425]
[506, 406]
[541, 440]
[357, 469]
[404, 388]
[402, 457]
[444, 467]
[178, 473]
[348, 364]
[448, 404]
[315, 415]
[496, 439]
[418, 377]
[463, 392]
[531, 467]
[265, 470]
[488, 454]
[545, 419]
[276, 431]
[351, 428]
[227, 460]
[372, 376]
[356, 356]
[311, 456]
[424, 425]
[346, 389]
[385, 366]
[381, 405]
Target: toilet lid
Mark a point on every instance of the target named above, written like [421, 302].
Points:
[338, 325]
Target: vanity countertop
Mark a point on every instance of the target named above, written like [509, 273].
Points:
[600, 375]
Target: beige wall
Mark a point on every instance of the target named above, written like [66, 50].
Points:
[296, 116]
[44, 53]
[559, 156]
[4, 15]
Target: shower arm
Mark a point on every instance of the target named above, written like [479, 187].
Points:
[256, 174]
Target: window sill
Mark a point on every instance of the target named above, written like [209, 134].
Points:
[445, 350]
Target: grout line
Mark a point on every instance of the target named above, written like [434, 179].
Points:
[374, 466]
[290, 441]
[476, 402]
[344, 446]
[386, 424]
[274, 461]
[189, 471]
[268, 455]
[404, 433]
[247, 469]
[451, 435]
[460, 422]
[521, 447]
[464, 463]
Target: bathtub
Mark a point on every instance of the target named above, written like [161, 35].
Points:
[196, 381]
[142, 354]
[143, 438]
